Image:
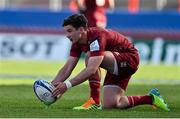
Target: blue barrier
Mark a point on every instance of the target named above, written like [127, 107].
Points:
[150, 20]
[31, 18]
[145, 20]
[167, 22]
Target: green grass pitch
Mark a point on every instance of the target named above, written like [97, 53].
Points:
[20, 101]
[17, 98]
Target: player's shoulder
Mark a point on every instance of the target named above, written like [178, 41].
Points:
[95, 31]
[92, 33]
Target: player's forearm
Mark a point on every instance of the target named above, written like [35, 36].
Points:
[62, 75]
[92, 67]
[83, 76]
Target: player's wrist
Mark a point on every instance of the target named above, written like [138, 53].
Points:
[68, 84]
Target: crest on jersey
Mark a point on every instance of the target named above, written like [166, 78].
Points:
[94, 46]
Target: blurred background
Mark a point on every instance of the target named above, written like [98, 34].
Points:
[33, 43]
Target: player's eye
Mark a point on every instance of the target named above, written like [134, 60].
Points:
[69, 30]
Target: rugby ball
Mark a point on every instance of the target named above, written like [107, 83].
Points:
[43, 91]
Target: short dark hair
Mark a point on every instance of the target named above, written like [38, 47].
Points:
[76, 20]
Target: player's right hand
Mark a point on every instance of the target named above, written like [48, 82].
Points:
[55, 83]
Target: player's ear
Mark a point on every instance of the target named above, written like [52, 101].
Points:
[81, 29]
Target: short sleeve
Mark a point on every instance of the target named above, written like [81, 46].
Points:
[97, 46]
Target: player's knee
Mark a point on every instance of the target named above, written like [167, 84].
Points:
[123, 103]
[109, 104]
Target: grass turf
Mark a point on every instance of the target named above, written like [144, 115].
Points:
[20, 101]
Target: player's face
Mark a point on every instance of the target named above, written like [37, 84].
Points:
[73, 34]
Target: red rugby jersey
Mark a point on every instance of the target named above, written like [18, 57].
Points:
[100, 40]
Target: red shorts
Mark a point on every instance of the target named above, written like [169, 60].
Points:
[127, 66]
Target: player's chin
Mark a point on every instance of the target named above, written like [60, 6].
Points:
[70, 39]
[74, 41]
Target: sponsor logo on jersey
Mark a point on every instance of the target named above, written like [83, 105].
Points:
[94, 46]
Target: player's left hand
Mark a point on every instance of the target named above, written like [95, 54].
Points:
[60, 89]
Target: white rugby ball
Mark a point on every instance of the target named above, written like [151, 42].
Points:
[43, 91]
